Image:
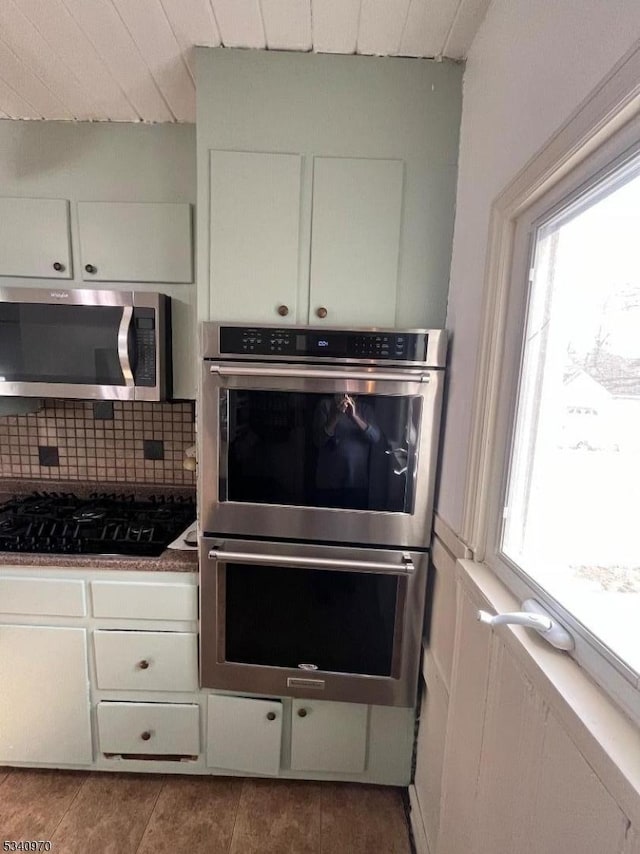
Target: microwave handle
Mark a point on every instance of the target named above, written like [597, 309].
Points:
[309, 373]
[406, 567]
[123, 344]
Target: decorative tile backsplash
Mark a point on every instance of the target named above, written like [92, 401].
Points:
[85, 441]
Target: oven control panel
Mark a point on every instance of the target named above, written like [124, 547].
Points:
[329, 344]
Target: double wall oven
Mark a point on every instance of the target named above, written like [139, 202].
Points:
[318, 451]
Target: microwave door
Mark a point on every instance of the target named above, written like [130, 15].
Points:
[62, 350]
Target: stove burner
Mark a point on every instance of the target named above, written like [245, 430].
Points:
[36, 506]
[89, 515]
[140, 530]
[101, 524]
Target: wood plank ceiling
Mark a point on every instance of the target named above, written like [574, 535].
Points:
[132, 60]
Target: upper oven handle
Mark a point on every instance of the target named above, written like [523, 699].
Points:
[406, 567]
[123, 344]
[322, 374]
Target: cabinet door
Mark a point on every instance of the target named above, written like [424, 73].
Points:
[34, 237]
[244, 734]
[328, 736]
[135, 242]
[355, 241]
[254, 236]
[44, 696]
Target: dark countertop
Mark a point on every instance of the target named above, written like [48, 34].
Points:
[171, 560]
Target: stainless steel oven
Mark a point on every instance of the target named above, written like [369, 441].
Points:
[322, 435]
[92, 344]
[303, 620]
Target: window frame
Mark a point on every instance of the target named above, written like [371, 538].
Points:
[562, 173]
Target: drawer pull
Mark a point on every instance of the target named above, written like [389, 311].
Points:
[145, 736]
[302, 713]
[144, 664]
[271, 716]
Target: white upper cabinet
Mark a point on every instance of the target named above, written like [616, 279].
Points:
[135, 242]
[355, 241]
[35, 238]
[254, 236]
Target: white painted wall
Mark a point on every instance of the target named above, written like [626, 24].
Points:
[530, 66]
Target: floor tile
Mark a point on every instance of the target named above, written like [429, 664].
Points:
[32, 803]
[275, 817]
[361, 819]
[194, 814]
[110, 814]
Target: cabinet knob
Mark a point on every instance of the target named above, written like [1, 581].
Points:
[90, 268]
[322, 312]
[144, 664]
[58, 267]
[302, 713]
[271, 716]
[145, 736]
[283, 310]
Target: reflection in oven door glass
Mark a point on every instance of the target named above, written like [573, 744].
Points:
[343, 622]
[313, 450]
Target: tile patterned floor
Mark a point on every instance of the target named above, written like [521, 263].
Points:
[153, 814]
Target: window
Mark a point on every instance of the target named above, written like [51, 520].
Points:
[566, 515]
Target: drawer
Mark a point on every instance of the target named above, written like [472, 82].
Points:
[149, 728]
[42, 596]
[146, 661]
[144, 600]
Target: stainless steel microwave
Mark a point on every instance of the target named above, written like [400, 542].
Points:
[92, 344]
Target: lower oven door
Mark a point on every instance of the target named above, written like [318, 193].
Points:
[302, 620]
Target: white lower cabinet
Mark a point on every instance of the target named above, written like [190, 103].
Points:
[244, 734]
[328, 736]
[149, 728]
[44, 696]
[146, 661]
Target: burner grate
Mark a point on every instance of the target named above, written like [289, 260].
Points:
[103, 523]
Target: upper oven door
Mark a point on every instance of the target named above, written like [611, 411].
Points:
[334, 454]
[78, 344]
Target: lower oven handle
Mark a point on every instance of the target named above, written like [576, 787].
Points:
[405, 568]
[313, 374]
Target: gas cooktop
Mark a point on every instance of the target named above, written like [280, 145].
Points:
[63, 523]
